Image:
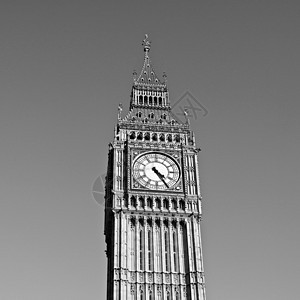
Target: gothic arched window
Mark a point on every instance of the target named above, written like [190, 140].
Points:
[149, 202]
[160, 101]
[174, 206]
[154, 137]
[169, 138]
[132, 135]
[141, 202]
[181, 204]
[150, 100]
[147, 136]
[140, 136]
[140, 99]
[157, 203]
[155, 100]
[133, 201]
[166, 203]
[162, 137]
[145, 100]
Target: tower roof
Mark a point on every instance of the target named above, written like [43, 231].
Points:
[147, 78]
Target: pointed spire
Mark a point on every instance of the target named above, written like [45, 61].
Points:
[147, 77]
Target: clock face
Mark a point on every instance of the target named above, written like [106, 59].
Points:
[156, 171]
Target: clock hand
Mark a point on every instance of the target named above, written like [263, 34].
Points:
[161, 176]
[164, 182]
[157, 172]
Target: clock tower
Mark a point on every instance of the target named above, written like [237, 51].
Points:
[152, 199]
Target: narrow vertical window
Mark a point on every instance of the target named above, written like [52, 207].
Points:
[133, 249]
[145, 100]
[149, 250]
[149, 203]
[158, 243]
[141, 251]
[175, 251]
[166, 251]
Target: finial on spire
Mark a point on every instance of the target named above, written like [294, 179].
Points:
[134, 75]
[146, 43]
[186, 115]
[165, 78]
[120, 108]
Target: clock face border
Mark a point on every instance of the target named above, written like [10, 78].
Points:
[160, 186]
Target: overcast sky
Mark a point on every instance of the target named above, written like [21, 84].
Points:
[65, 67]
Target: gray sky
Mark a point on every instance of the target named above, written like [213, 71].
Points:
[65, 66]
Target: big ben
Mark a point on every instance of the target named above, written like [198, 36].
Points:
[153, 199]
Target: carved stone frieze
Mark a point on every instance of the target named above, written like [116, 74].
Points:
[132, 289]
[159, 289]
[158, 278]
[167, 278]
[132, 276]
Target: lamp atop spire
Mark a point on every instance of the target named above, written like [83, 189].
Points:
[147, 44]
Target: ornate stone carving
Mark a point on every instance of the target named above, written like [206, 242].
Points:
[183, 279]
[132, 289]
[159, 290]
[132, 276]
[168, 278]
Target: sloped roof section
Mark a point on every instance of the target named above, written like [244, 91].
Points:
[147, 77]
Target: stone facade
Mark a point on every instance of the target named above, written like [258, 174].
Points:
[153, 205]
